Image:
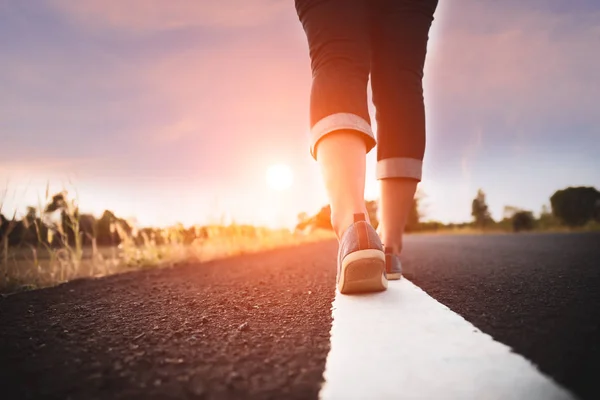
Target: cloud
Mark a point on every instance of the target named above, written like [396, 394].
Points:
[525, 75]
[524, 62]
[144, 104]
[161, 15]
[161, 111]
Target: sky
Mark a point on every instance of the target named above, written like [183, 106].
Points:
[172, 111]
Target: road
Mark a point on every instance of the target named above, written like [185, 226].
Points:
[258, 326]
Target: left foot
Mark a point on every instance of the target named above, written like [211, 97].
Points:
[393, 267]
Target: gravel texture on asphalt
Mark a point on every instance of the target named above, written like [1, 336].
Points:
[537, 293]
[253, 327]
[257, 326]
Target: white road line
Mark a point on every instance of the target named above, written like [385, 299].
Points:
[403, 344]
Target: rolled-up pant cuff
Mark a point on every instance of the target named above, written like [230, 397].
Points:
[338, 122]
[399, 167]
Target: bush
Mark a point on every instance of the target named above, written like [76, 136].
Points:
[523, 221]
[576, 206]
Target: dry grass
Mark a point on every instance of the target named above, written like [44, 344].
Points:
[469, 230]
[30, 268]
[462, 231]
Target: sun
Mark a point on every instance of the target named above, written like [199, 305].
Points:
[279, 177]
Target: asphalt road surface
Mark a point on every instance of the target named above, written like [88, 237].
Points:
[257, 326]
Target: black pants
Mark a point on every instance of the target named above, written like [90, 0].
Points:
[349, 40]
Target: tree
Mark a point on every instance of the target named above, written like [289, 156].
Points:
[31, 224]
[414, 216]
[62, 216]
[523, 221]
[106, 229]
[322, 220]
[510, 211]
[87, 226]
[58, 202]
[31, 215]
[507, 221]
[575, 206]
[303, 221]
[479, 210]
[547, 220]
[6, 227]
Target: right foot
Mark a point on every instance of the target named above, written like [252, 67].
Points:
[361, 260]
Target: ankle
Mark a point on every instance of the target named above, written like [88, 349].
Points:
[341, 221]
[394, 249]
[392, 242]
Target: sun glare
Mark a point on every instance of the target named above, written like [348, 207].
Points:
[279, 177]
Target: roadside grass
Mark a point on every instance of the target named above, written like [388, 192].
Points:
[591, 226]
[27, 268]
[31, 267]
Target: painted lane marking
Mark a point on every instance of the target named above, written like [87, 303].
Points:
[404, 344]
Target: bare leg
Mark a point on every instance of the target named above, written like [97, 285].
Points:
[338, 34]
[399, 34]
[396, 201]
[342, 159]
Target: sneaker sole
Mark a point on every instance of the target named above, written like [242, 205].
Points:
[363, 271]
[394, 276]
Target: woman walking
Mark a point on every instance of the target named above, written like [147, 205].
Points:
[348, 41]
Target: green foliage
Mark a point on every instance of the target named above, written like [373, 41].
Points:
[523, 221]
[58, 202]
[510, 211]
[105, 229]
[322, 220]
[413, 222]
[58, 244]
[516, 219]
[431, 226]
[576, 206]
[480, 212]
[547, 220]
